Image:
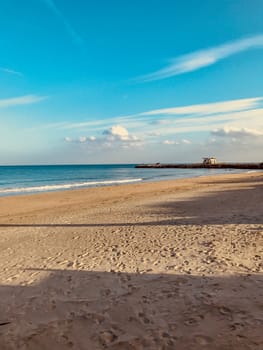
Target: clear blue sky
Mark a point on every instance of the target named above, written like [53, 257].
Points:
[130, 81]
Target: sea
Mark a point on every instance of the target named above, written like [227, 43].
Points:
[24, 179]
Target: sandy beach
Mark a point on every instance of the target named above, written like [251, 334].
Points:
[165, 265]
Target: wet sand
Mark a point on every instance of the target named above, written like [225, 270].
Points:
[166, 265]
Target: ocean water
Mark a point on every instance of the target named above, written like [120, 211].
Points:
[44, 178]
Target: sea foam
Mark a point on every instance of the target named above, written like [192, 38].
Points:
[66, 186]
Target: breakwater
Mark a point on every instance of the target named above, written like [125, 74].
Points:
[202, 166]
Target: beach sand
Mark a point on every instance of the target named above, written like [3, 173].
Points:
[172, 265]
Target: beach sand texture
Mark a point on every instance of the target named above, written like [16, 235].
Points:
[167, 265]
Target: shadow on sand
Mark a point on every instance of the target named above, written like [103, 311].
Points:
[80, 310]
[94, 310]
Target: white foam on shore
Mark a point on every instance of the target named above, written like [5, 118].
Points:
[66, 186]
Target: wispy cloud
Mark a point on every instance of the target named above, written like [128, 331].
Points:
[241, 119]
[21, 100]
[208, 108]
[11, 71]
[162, 124]
[70, 30]
[203, 58]
[201, 117]
[155, 116]
[237, 132]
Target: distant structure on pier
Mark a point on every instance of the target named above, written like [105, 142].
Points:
[209, 161]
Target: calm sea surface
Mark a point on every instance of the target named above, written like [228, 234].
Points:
[43, 178]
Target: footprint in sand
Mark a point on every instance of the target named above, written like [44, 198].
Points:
[107, 337]
[143, 317]
[202, 340]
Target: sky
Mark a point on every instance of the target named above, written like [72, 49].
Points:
[120, 81]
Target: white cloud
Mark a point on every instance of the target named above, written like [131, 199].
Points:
[236, 132]
[130, 145]
[170, 142]
[186, 142]
[83, 139]
[114, 137]
[11, 71]
[154, 133]
[181, 142]
[80, 139]
[245, 143]
[203, 58]
[119, 133]
[22, 100]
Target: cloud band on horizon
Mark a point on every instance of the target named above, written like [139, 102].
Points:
[180, 114]
[203, 58]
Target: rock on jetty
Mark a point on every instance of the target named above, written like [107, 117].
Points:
[202, 165]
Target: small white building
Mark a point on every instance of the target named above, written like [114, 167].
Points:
[209, 161]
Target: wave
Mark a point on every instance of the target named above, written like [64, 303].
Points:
[67, 186]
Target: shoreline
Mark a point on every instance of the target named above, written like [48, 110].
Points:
[13, 192]
[43, 201]
[161, 265]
